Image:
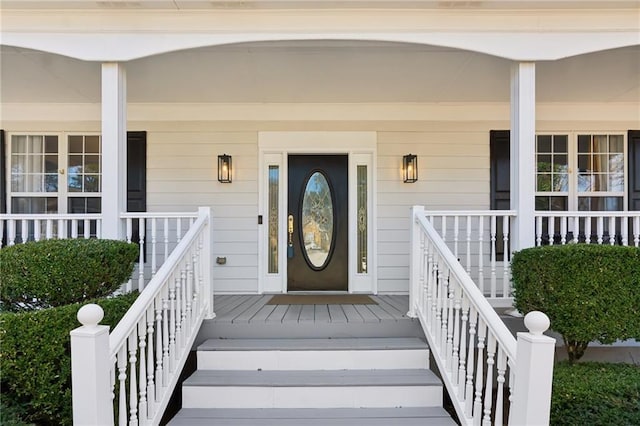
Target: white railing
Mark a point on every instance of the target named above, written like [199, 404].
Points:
[130, 375]
[481, 241]
[157, 234]
[486, 372]
[20, 228]
[621, 228]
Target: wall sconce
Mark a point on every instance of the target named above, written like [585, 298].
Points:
[224, 168]
[410, 168]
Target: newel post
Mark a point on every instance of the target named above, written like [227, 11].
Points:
[414, 259]
[90, 369]
[206, 258]
[533, 373]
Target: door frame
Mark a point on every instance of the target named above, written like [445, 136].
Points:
[274, 149]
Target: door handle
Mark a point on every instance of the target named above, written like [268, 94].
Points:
[290, 229]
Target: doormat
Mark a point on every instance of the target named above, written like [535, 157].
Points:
[321, 299]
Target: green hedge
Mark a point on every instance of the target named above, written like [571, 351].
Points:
[35, 358]
[50, 273]
[589, 292]
[595, 394]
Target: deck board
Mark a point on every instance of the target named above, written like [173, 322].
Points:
[247, 309]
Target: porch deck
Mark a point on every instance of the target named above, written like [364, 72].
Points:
[249, 316]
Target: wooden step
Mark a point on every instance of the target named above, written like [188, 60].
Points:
[424, 416]
[312, 389]
[313, 354]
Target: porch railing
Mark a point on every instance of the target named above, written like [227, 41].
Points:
[20, 228]
[481, 241]
[157, 234]
[490, 377]
[621, 228]
[130, 374]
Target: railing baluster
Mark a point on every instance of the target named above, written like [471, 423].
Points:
[587, 230]
[600, 231]
[11, 229]
[625, 230]
[166, 238]
[141, 236]
[154, 232]
[151, 387]
[502, 368]
[563, 230]
[455, 357]
[636, 231]
[488, 392]
[612, 230]
[456, 235]
[165, 338]
[449, 328]
[172, 324]
[133, 384]
[24, 231]
[506, 257]
[480, 257]
[143, 413]
[492, 251]
[538, 230]
[477, 403]
[469, 396]
[468, 245]
[122, 394]
[462, 368]
[159, 346]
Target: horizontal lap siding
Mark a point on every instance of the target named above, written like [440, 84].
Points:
[453, 174]
[182, 175]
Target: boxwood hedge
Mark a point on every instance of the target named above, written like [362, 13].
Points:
[35, 358]
[595, 394]
[50, 273]
[589, 292]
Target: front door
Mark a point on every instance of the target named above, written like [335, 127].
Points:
[317, 238]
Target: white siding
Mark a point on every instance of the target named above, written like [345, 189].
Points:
[453, 158]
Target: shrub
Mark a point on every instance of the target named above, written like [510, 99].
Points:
[50, 273]
[589, 292]
[35, 358]
[595, 394]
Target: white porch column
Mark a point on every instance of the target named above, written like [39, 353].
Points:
[523, 128]
[114, 148]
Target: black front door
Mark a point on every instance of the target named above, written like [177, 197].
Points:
[317, 239]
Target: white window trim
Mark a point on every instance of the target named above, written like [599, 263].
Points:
[572, 152]
[63, 194]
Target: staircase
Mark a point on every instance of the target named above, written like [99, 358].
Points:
[355, 381]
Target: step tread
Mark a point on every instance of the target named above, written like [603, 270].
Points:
[314, 416]
[313, 378]
[398, 343]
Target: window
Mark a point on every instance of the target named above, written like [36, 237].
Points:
[54, 173]
[598, 183]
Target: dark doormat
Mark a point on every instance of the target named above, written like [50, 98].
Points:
[321, 299]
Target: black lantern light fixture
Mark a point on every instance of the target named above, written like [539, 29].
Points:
[224, 168]
[410, 168]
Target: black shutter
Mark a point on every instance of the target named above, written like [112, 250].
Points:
[136, 177]
[500, 169]
[136, 171]
[3, 174]
[500, 180]
[634, 169]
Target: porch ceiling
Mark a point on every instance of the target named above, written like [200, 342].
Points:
[320, 71]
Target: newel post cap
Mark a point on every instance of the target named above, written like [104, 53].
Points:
[537, 322]
[90, 315]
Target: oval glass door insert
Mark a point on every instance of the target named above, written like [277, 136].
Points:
[317, 220]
